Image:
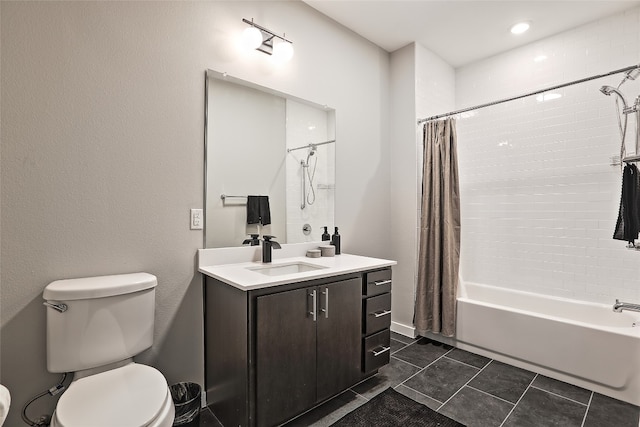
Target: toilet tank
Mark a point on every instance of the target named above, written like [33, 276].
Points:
[107, 319]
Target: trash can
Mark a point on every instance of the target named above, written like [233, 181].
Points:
[186, 400]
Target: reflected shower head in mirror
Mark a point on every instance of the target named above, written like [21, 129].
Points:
[310, 197]
[312, 152]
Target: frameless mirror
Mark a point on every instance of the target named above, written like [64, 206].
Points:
[261, 142]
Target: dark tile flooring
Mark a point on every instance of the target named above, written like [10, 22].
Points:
[473, 390]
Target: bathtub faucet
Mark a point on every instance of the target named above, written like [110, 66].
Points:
[619, 306]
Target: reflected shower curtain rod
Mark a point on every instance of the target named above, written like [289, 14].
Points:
[537, 92]
[310, 145]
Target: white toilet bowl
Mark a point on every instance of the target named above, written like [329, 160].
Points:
[133, 395]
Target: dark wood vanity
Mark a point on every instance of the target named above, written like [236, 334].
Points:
[275, 352]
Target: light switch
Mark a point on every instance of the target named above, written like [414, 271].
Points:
[196, 219]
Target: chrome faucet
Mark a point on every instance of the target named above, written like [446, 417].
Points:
[619, 306]
[267, 246]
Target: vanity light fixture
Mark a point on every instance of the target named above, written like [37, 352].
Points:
[520, 27]
[266, 41]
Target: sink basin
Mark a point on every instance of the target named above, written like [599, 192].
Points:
[280, 269]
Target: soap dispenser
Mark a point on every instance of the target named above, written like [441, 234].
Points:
[325, 235]
[335, 241]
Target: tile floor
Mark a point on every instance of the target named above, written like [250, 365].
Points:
[473, 390]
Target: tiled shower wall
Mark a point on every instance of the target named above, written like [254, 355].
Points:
[539, 194]
[310, 125]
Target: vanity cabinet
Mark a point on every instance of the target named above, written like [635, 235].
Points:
[273, 353]
[307, 348]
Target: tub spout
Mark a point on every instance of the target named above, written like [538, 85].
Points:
[619, 306]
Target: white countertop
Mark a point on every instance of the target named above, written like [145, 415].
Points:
[240, 276]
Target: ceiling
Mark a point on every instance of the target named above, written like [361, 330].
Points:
[462, 31]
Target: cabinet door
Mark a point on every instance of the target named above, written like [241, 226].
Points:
[285, 355]
[339, 328]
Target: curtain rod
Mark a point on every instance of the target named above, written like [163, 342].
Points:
[310, 145]
[489, 104]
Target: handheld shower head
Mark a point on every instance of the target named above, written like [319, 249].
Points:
[608, 90]
[312, 152]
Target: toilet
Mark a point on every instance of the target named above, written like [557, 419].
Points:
[95, 326]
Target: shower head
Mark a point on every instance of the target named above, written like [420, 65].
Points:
[312, 151]
[608, 90]
[632, 74]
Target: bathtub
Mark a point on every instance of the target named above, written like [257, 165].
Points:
[585, 344]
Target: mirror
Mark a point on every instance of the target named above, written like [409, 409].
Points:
[261, 142]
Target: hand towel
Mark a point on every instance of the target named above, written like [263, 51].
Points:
[5, 402]
[258, 210]
[628, 223]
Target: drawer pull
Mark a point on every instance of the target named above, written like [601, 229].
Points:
[381, 282]
[382, 313]
[378, 353]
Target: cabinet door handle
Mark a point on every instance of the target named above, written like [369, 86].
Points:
[325, 310]
[381, 282]
[382, 313]
[314, 311]
[378, 353]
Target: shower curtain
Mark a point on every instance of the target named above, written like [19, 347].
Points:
[439, 255]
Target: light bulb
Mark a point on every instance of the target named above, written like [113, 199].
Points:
[251, 38]
[283, 51]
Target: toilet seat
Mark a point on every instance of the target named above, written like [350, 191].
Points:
[133, 395]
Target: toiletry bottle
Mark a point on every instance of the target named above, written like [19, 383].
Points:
[335, 241]
[325, 235]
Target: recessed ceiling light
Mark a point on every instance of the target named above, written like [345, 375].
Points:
[520, 27]
[540, 58]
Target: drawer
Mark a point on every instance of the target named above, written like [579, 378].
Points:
[377, 282]
[377, 313]
[376, 351]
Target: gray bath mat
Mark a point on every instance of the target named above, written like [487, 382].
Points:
[393, 409]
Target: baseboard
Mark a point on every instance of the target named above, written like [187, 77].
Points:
[402, 329]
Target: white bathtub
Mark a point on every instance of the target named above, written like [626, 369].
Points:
[581, 343]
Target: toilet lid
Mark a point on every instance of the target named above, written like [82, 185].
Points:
[132, 395]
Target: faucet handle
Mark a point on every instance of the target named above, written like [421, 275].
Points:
[274, 244]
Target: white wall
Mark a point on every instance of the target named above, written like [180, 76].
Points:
[246, 154]
[403, 185]
[539, 197]
[102, 153]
